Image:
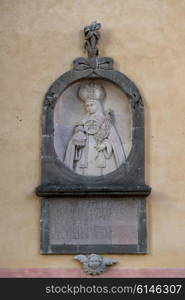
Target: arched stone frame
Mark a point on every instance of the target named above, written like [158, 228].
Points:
[128, 179]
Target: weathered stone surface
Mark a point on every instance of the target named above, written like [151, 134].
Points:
[93, 221]
[93, 224]
[129, 173]
[90, 159]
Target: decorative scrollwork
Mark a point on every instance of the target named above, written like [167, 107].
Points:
[136, 99]
[93, 62]
[83, 63]
[51, 98]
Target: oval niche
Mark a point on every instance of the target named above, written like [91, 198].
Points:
[93, 133]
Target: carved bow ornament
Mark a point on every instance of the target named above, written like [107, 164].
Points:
[92, 36]
[92, 64]
[83, 63]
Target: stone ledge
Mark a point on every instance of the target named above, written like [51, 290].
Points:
[52, 190]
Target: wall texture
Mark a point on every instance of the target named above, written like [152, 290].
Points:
[38, 41]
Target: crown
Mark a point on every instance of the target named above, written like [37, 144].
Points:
[91, 91]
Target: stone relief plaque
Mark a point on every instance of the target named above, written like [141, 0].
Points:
[93, 131]
[92, 182]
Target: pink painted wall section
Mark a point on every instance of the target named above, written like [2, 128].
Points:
[76, 273]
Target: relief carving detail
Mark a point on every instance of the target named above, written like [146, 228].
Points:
[95, 264]
[95, 147]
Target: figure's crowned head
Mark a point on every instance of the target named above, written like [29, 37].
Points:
[91, 91]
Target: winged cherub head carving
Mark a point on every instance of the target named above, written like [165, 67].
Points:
[95, 264]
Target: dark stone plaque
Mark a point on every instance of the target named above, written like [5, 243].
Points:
[93, 221]
[110, 225]
[92, 182]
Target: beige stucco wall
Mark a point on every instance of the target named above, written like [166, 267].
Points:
[39, 39]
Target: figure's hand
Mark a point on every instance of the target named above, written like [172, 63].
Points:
[79, 139]
[101, 147]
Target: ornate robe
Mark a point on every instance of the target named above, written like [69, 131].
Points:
[84, 154]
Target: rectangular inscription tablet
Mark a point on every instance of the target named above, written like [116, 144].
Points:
[97, 224]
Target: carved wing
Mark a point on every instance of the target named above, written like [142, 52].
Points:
[109, 261]
[81, 258]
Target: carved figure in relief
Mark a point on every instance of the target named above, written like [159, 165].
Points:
[95, 148]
